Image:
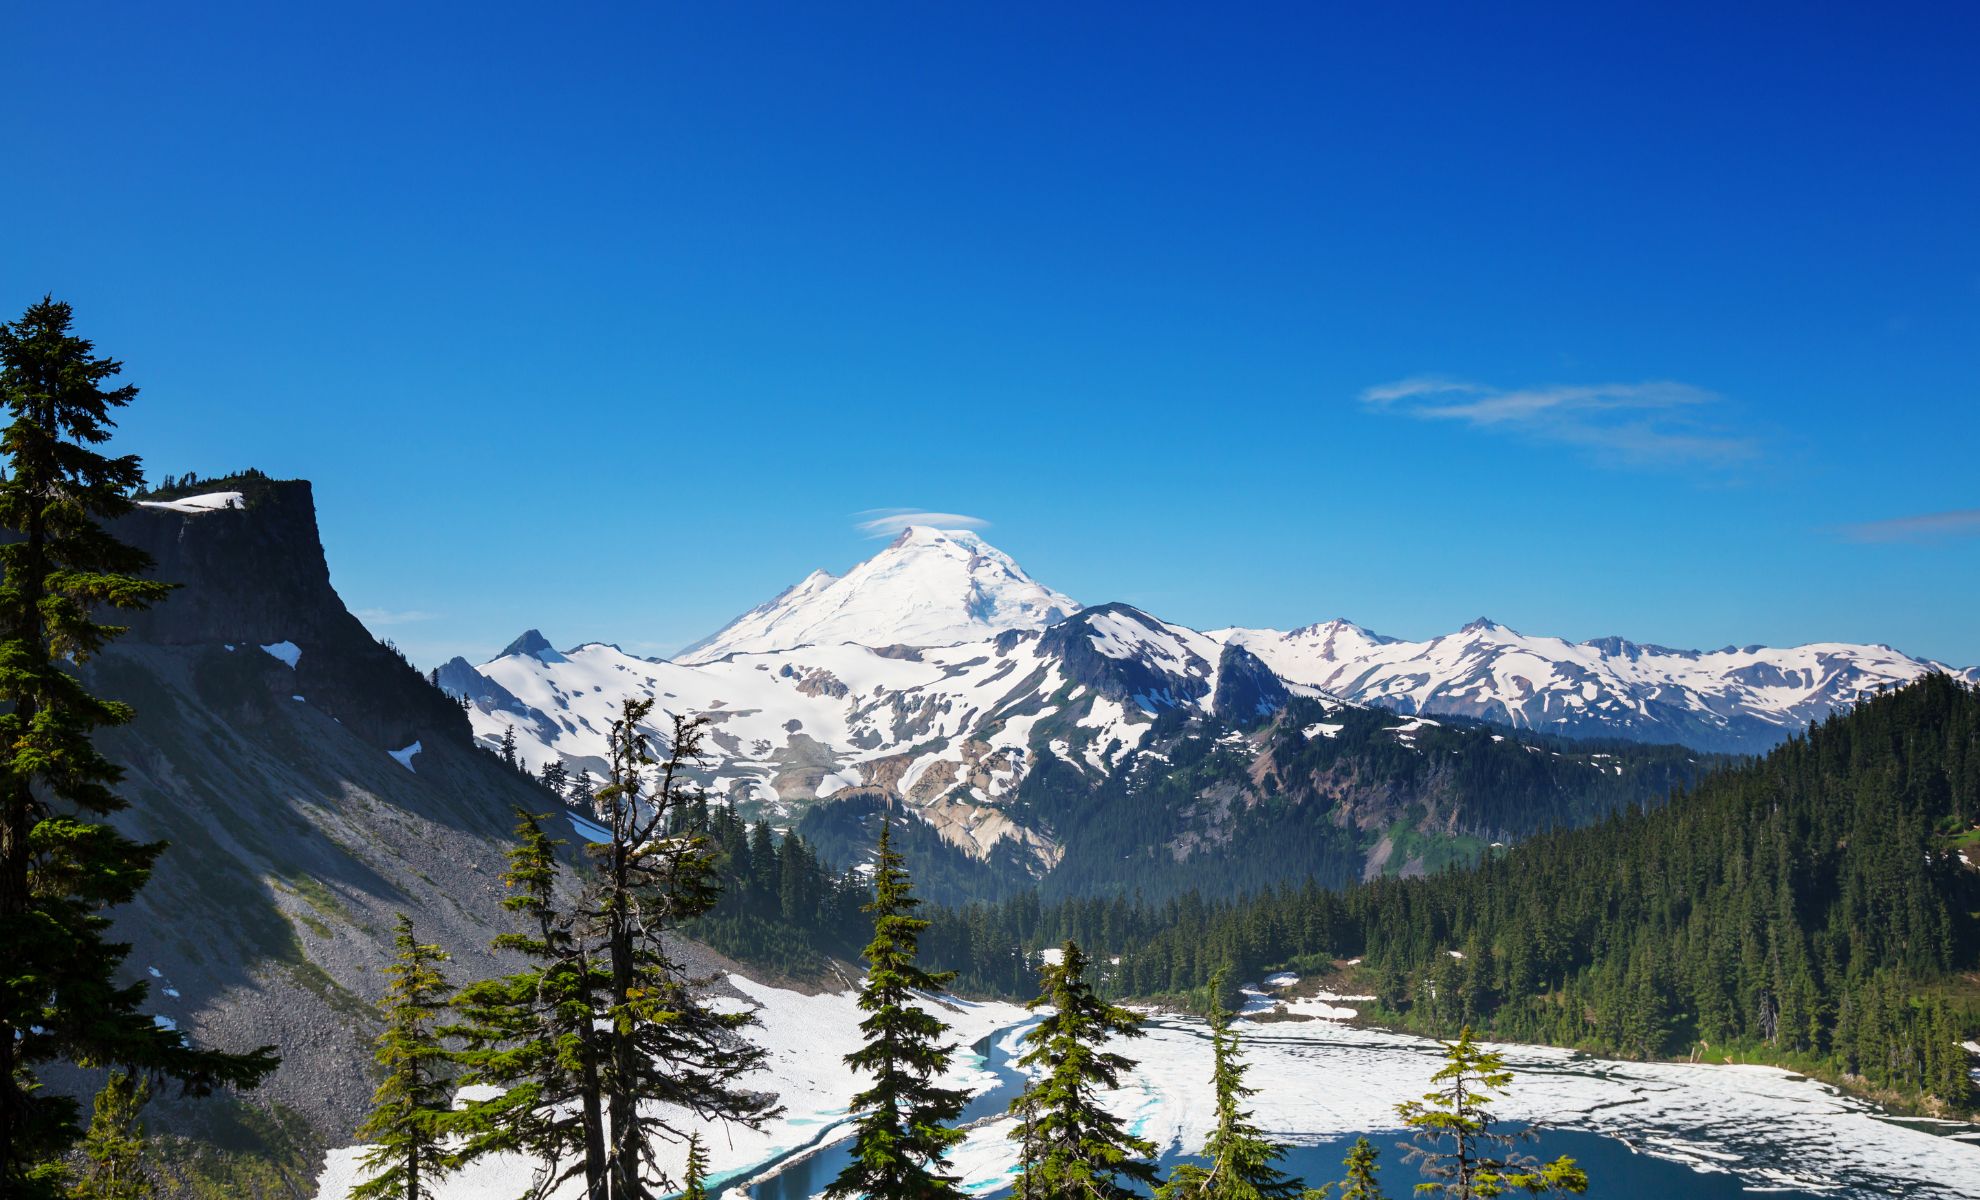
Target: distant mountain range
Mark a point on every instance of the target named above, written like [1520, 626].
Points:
[1738, 699]
[941, 673]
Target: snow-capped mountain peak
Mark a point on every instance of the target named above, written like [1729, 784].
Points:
[928, 587]
[535, 645]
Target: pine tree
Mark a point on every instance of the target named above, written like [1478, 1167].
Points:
[61, 866]
[903, 1129]
[1361, 1183]
[1240, 1156]
[113, 1149]
[666, 1043]
[694, 1176]
[412, 1109]
[1479, 1161]
[508, 750]
[1076, 1148]
[553, 776]
[534, 1034]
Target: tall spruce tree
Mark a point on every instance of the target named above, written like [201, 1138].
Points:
[412, 1111]
[666, 1044]
[61, 865]
[903, 1123]
[1070, 1145]
[113, 1149]
[1240, 1157]
[1456, 1145]
[534, 1034]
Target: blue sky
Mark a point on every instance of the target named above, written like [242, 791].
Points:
[614, 321]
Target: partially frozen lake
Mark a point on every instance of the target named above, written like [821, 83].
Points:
[1645, 1131]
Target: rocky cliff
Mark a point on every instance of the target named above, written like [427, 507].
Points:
[312, 785]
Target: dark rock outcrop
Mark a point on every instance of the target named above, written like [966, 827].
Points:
[256, 576]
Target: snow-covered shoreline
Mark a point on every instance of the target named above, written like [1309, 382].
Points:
[807, 1037]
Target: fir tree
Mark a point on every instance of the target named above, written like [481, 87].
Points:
[508, 750]
[694, 1176]
[113, 1149]
[903, 1123]
[534, 1034]
[61, 866]
[1361, 1183]
[666, 1043]
[553, 777]
[1240, 1156]
[1076, 1148]
[1478, 1162]
[412, 1111]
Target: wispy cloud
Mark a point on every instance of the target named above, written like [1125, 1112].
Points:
[886, 522]
[1656, 423]
[1923, 527]
[387, 616]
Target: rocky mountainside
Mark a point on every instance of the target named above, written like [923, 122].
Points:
[951, 729]
[312, 785]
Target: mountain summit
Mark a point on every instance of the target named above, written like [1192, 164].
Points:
[929, 587]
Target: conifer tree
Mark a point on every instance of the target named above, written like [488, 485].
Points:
[694, 1176]
[903, 1127]
[581, 791]
[534, 1034]
[666, 1043]
[1240, 1156]
[113, 1149]
[412, 1110]
[1478, 1162]
[1361, 1183]
[1076, 1148]
[61, 865]
[508, 749]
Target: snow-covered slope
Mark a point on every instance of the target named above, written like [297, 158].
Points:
[1738, 699]
[929, 587]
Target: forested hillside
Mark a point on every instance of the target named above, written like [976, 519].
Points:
[1815, 907]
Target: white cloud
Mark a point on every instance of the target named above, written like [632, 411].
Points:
[885, 522]
[1922, 527]
[1656, 423]
[386, 616]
